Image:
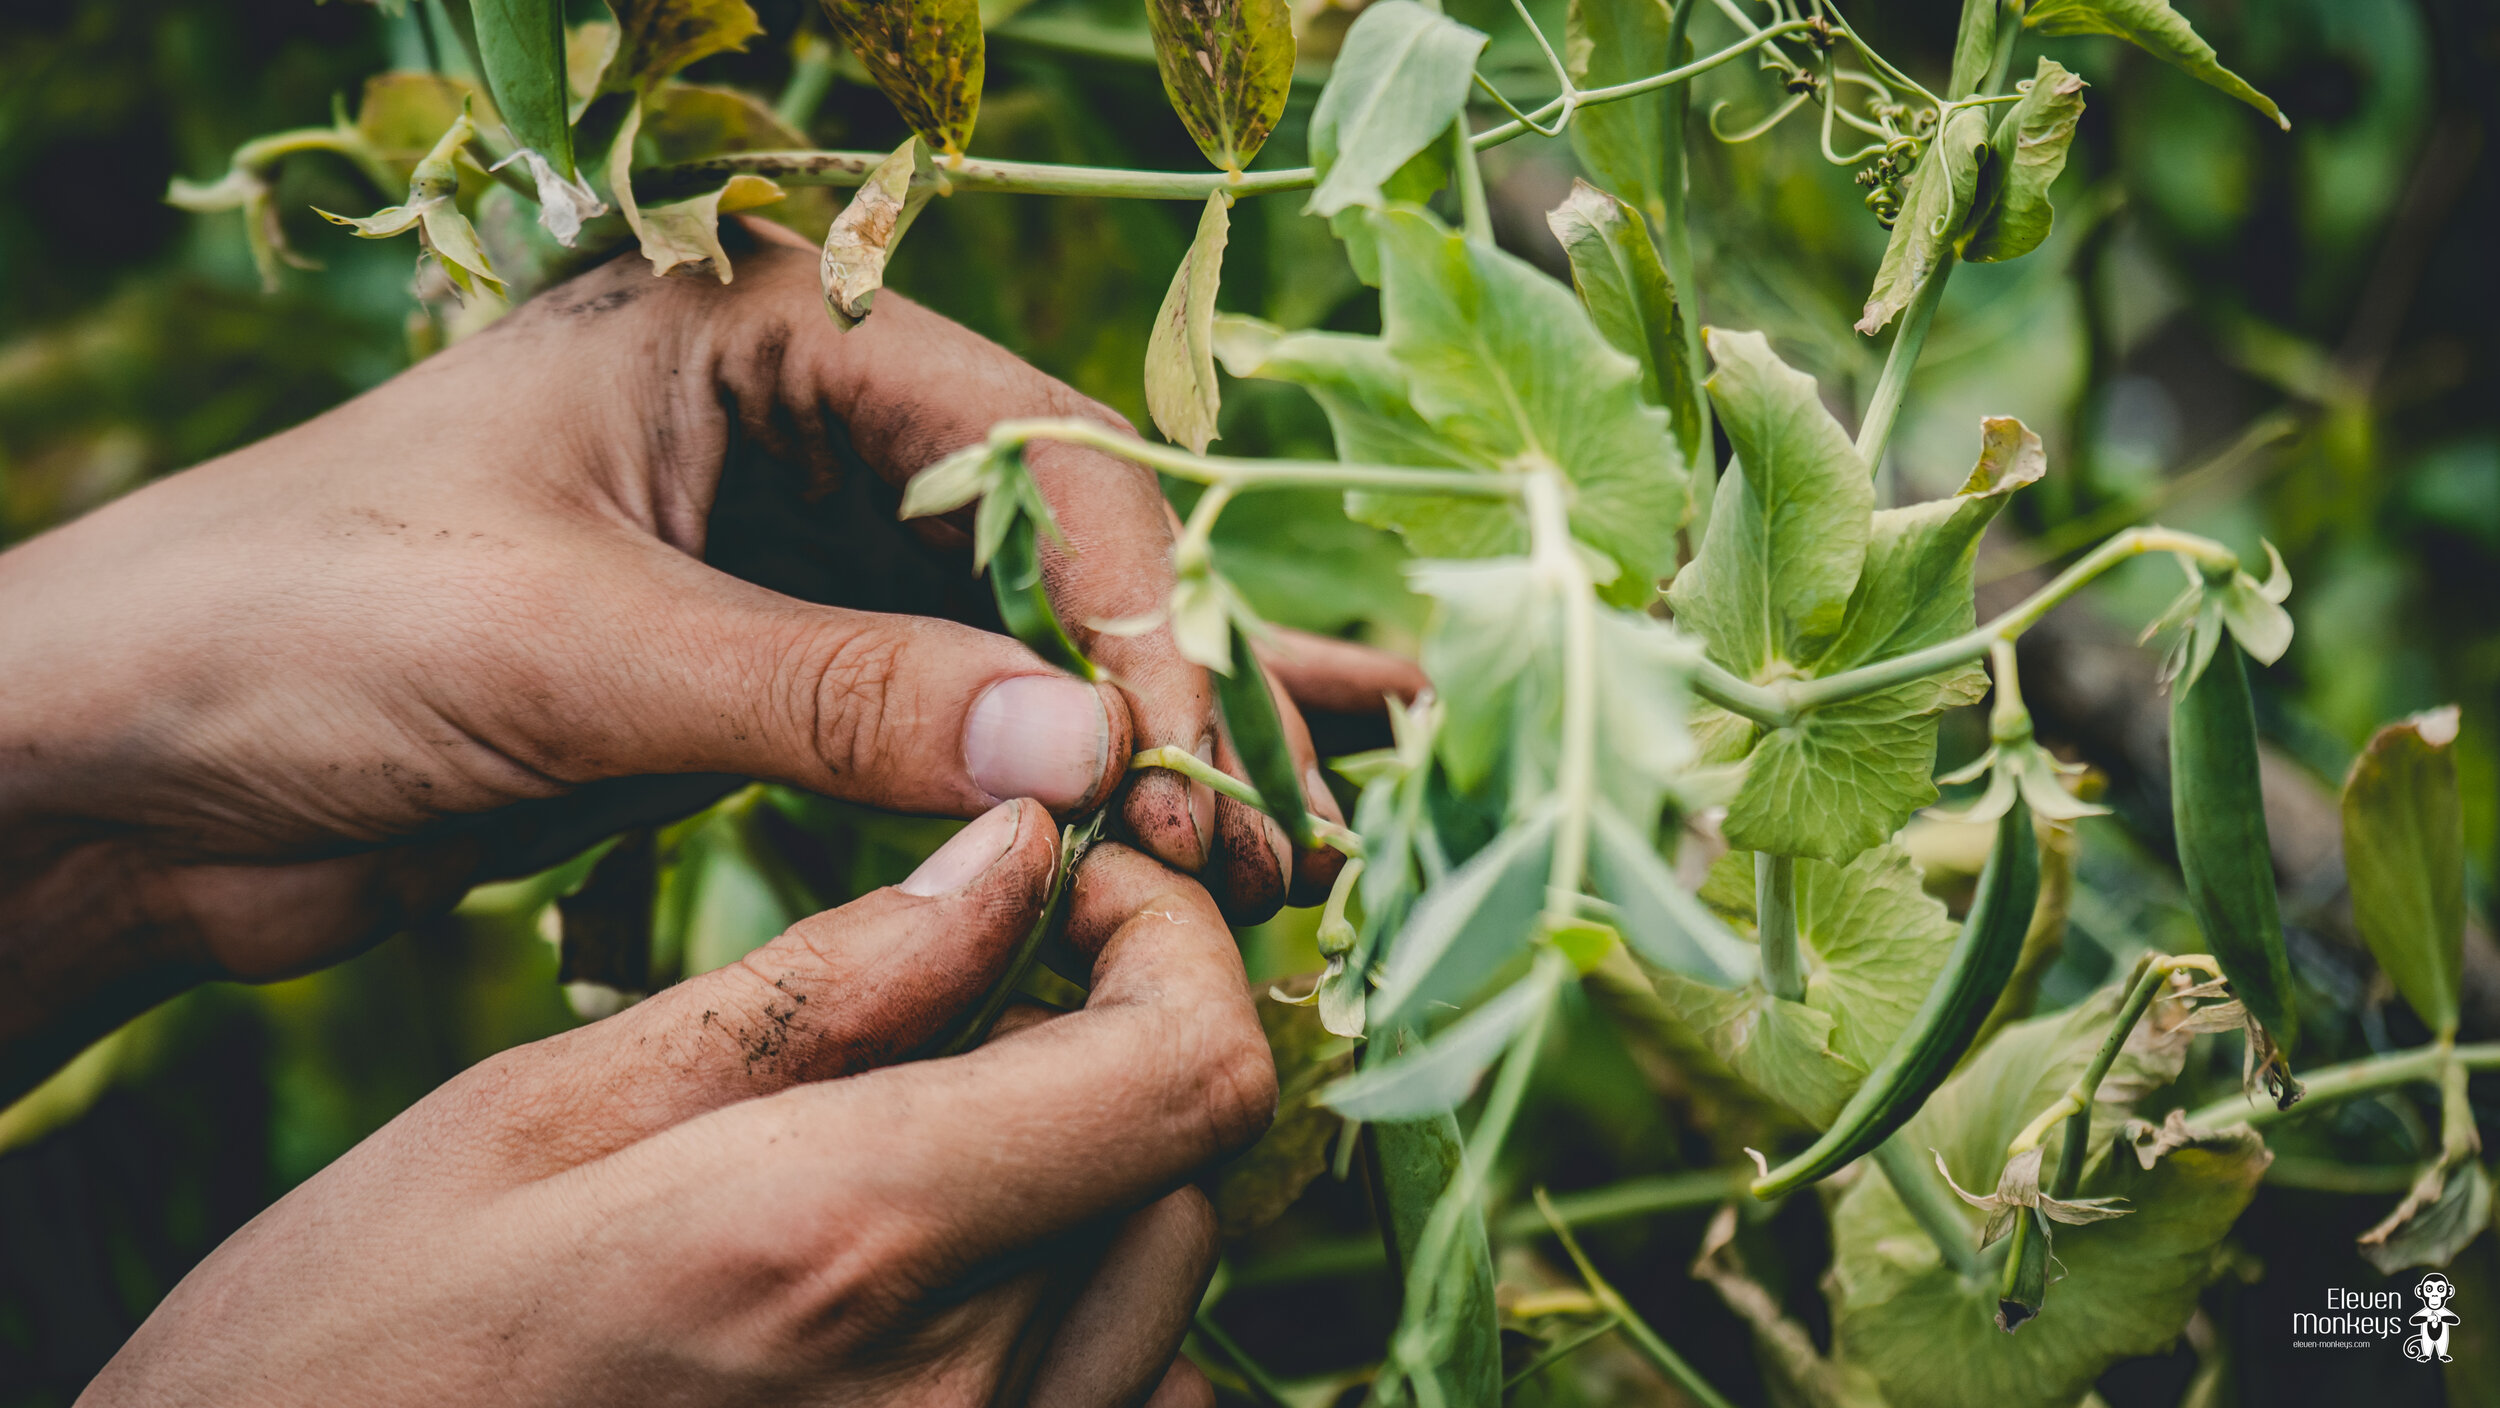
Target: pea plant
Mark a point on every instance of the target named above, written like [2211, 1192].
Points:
[1638, 650]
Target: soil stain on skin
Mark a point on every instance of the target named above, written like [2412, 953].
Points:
[769, 1042]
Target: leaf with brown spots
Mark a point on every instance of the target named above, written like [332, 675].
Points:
[1226, 67]
[925, 56]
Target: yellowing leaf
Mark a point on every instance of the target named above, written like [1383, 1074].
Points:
[926, 57]
[864, 235]
[656, 38]
[1226, 65]
[1181, 392]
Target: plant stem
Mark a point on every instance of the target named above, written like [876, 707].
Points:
[1676, 238]
[2353, 1079]
[2152, 974]
[1575, 772]
[1915, 1183]
[2009, 29]
[811, 75]
[1560, 1350]
[1197, 769]
[814, 168]
[1415, 1347]
[1241, 474]
[1907, 342]
[1763, 705]
[1474, 213]
[1632, 1198]
[1262, 1387]
[1775, 921]
[1804, 696]
[1656, 1350]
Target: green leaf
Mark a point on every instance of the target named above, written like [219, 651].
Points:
[1932, 216]
[1788, 530]
[1399, 81]
[1181, 393]
[2151, 25]
[521, 42]
[1226, 65]
[1362, 390]
[2030, 146]
[1630, 298]
[1780, 1048]
[1845, 777]
[2404, 854]
[1415, 183]
[926, 57]
[1666, 926]
[1874, 940]
[1480, 915]
[1916, 588]
[2129, 1284]
[1442, 1072]
[1495, 629]
[1502, 359]
[656, 38]
[1622, 143]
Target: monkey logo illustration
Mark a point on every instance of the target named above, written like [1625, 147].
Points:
[2431, 1322]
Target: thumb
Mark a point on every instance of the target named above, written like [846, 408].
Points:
[839, 992]
[678, 668]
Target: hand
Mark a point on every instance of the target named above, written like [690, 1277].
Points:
[727, 1194]
[269, 709]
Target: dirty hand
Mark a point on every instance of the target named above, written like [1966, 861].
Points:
[579, 572]
[728, 1194]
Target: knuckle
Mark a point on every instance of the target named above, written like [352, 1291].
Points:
[851, 679]
[1231, 1080]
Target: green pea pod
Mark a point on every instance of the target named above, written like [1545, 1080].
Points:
[2220, 819]
[1258, 737]
[1024, 607]
[2026, 1282]
[1957, 1006]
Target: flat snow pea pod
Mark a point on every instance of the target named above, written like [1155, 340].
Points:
[1957, 1006]
[1024, 607]
[2220, 819]
[1258, 737]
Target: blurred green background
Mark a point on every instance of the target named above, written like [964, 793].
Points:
[2238, 331]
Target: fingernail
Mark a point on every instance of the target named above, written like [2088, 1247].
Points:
[966, 856]
[1202, 802]
[1038, 736]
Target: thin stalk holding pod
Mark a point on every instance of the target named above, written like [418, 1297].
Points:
[2350, 1081]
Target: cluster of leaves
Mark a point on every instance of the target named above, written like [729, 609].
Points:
[1549, 461]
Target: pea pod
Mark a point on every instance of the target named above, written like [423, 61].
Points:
[1024, 607]
[1258, 737]
[2220, 819]
[1957, 1005]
